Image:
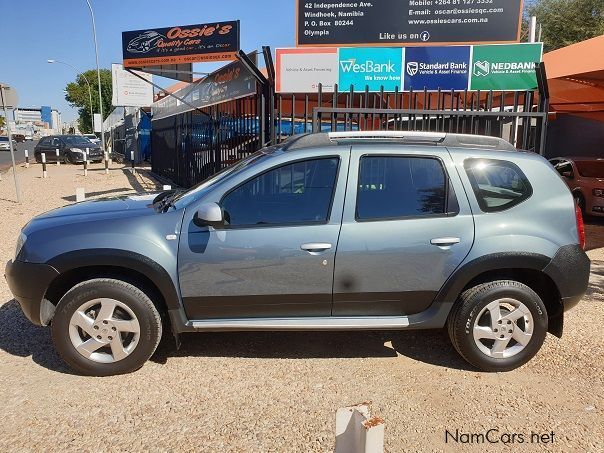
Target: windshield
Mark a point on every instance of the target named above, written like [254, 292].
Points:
[76, 140]
[591, 168]
[184, 198]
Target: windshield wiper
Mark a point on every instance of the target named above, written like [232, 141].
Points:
[165, 200]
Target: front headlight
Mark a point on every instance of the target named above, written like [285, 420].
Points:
[20, 243]
[77, 150]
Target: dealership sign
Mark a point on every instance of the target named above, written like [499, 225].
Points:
[182, 44]
[509, 67]
[130, 90]
[390, 23]
[231, 82]
[434, 68]
[370, 67]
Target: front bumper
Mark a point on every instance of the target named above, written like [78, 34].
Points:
[28, 282]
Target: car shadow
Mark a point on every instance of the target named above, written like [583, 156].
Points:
[20, 338]
[99, 193]
[429, 346]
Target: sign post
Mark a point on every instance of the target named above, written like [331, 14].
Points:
[9, 99]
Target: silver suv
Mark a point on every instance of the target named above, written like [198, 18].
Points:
[338, 231]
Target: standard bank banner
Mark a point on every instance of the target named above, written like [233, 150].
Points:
[509, 67]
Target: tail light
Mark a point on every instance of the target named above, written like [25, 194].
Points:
[580, 226]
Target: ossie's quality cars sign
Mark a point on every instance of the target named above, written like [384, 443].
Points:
[181, 44]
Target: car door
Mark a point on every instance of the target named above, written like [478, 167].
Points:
[406, 226]
[275, 255]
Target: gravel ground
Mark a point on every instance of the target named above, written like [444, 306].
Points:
[265, 392]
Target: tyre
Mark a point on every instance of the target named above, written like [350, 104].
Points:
[38, 158]
[104, 327]
[498, 326]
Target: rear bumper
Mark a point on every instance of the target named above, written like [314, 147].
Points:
[28, 282]
[570, 270]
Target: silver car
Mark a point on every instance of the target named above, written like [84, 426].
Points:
[337, 231]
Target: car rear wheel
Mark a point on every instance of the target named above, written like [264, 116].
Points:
[104, 327]
[498, 326]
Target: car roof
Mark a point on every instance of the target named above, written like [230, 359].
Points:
[323, 139]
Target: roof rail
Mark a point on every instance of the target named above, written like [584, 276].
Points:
[435, 138]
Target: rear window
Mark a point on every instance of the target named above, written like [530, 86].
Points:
[497, 184]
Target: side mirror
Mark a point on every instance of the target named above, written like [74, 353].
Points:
[209, 214]
[568, 174]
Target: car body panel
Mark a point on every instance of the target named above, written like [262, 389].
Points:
[390, 267]
[260, 271]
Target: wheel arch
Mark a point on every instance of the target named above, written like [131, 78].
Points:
[77, 266]
[526, 268]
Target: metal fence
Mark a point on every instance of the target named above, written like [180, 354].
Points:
[190, 147]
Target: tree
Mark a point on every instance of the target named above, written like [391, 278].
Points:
[1, 123]
[77, 96]
[567, 22]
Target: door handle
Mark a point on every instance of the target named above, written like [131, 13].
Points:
[315, 247]
[445, 242]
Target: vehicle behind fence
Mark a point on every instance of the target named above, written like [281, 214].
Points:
[190, 147]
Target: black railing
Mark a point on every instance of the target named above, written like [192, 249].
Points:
[190, 147]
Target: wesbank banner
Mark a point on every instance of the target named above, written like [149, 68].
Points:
[370, 67]
[509, 67]
[434, 68]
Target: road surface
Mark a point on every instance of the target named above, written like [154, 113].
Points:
[5, 160]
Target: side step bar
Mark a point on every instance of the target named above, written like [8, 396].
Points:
[434, 317]
[307, 323]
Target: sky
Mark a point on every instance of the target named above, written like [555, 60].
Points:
[33, 31]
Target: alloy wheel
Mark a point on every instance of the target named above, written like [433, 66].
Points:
[503, 328]
[104, 330]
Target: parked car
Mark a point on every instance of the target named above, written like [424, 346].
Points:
[585, 178]
[93, 138]
[5, 144]
[29, 137]
[338, 231]
[19, 138]
[72, 149]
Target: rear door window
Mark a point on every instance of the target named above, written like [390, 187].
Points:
[394, 187]
[497, 184]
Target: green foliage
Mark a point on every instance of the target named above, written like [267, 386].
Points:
[77, 96]
[2, 123]
[567, 22]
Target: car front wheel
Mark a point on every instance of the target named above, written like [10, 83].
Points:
[104, 327]
[498, 326]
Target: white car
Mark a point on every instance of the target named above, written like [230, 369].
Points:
[93, 138]
[5, 144]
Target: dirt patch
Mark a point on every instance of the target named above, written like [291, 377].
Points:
[263, 392]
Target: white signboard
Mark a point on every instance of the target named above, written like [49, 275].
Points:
[302, 70]
[9, 98]
[97, 122]
[129, 90]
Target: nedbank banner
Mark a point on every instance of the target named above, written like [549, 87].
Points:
[509, 67]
